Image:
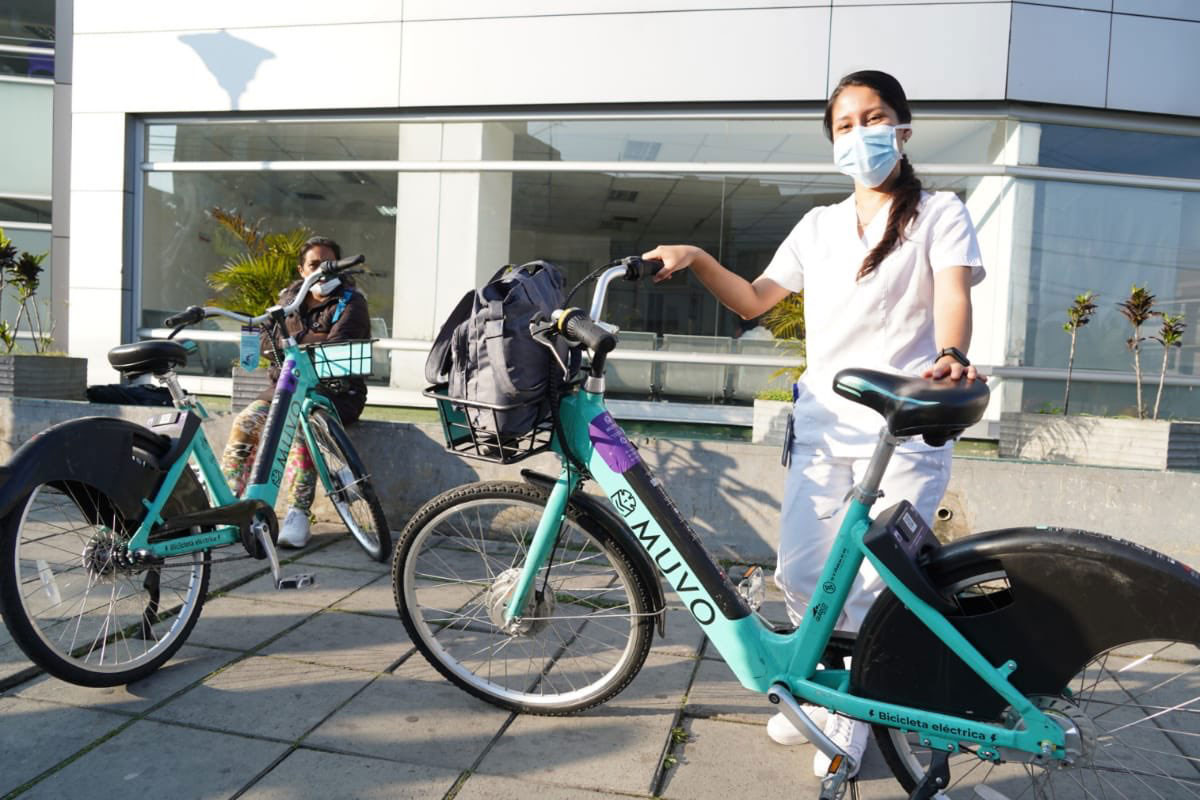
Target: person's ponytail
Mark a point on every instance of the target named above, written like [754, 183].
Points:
[906, 198]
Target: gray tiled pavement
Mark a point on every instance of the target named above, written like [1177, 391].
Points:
[318, 693]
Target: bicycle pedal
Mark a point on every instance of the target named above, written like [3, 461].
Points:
[833, 785]
[301, 581]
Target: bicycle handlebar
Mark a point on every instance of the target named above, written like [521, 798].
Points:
[578, 327]
[193, 314]
[631, 268]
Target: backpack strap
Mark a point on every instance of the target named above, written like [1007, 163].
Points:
[341, 306]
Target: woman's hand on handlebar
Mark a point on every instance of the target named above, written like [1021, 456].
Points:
[675, 257]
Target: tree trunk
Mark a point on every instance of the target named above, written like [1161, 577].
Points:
[1070, 365]
[1162, 376]
[1137, 376]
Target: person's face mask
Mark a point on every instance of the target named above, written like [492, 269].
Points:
[868, 153]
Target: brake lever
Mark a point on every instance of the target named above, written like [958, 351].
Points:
[545, 333]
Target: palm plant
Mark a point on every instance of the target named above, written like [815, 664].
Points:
[263, 263]
[786, 323]
[1138, 308]
[1169, 335]
[22, 271]
[1077, 316]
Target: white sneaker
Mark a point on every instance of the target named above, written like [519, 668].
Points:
[782, 731]
[295, 531]
[848, 734]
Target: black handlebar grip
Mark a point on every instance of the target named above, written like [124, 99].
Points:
[330, 267]
[189, 316]
[637, 267]
[579, 327]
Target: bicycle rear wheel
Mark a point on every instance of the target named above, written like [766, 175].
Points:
[75, 601]
[587, 628]
[350, 488]
[1130, 707]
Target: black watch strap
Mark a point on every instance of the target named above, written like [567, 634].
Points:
[955, 353]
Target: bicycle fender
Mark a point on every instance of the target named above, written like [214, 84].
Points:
[122, 459]
[1071, 596]
[604, 514]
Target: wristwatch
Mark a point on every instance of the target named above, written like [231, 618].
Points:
[955, 353]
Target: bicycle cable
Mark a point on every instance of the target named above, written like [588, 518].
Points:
[591, 276]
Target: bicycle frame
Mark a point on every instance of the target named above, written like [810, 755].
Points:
[295, 396]
[760, 657]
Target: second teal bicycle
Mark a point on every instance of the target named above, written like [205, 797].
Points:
[1028, 662]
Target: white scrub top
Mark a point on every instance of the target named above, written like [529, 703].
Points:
[883, 322]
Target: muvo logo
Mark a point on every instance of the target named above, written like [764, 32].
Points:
[676, 573]
[625, 502]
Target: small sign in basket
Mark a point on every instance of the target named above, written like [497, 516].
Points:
[474, 440]
[341, 359]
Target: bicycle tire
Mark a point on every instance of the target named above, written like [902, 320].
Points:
[76, 605]
[351, 492]
[1135, 739]
[455, 565]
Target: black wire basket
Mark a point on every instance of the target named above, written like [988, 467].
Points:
[470, 428]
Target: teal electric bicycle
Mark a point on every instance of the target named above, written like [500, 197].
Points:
[1028, 662]
[107, 527]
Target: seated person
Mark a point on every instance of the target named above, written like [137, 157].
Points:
[328, 314]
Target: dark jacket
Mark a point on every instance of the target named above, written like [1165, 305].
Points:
[316, 324]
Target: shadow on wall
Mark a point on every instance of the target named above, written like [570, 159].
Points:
[233, 62]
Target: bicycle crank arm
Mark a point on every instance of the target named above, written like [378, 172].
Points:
[779, 695]
[299, 581]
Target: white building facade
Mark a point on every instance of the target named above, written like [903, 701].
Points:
[445, 138]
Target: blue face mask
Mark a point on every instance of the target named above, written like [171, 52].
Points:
[868, 153]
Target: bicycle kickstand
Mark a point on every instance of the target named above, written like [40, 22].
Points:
[300, 581]
[936, 779]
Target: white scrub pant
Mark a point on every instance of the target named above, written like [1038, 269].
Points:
[814, 503]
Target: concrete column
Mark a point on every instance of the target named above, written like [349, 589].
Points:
[452, 231]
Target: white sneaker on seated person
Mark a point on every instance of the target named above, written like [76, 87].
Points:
[782, 731]
[848, 734]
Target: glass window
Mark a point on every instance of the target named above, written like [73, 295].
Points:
[26, 22]
[1133, 152]
[276, 141]
[24, 211]
[181, 244]
[36, 242]
[1080, 237]
[25, 138]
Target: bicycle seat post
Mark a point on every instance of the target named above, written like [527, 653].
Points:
[867, 492]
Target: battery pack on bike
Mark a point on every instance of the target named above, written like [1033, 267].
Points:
[904, 542]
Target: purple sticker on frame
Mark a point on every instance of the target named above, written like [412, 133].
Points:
[610, 442]
[287, 376]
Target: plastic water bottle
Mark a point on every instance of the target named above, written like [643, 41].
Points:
[753, 588]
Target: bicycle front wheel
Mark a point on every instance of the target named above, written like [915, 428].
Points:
[1106, 644]
[350, 488]
[78, 604]
[587, 627]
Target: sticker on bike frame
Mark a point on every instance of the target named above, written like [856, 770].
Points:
[248, 352]
[610, 442]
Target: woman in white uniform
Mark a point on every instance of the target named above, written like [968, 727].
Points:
[887, 276]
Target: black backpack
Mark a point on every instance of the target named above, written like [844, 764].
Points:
[485, 354]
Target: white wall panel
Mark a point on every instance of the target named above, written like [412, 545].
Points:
[98, 240]
[1154, 64]
[1176, 9]
[777, 54]
[941, 51]
[97, 149]
[333, 66]
[1058, 55]
[479, 9]
[95, 323]
[127, 16]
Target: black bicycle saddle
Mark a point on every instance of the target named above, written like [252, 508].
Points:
[935, 410]
[153, 355]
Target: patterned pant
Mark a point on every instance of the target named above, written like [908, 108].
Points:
[238, 459]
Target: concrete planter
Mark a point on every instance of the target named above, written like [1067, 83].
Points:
[51, 377]
[248, 385]
[770, 421]
[1101, 441]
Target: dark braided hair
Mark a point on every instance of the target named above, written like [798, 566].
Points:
[906, 186]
